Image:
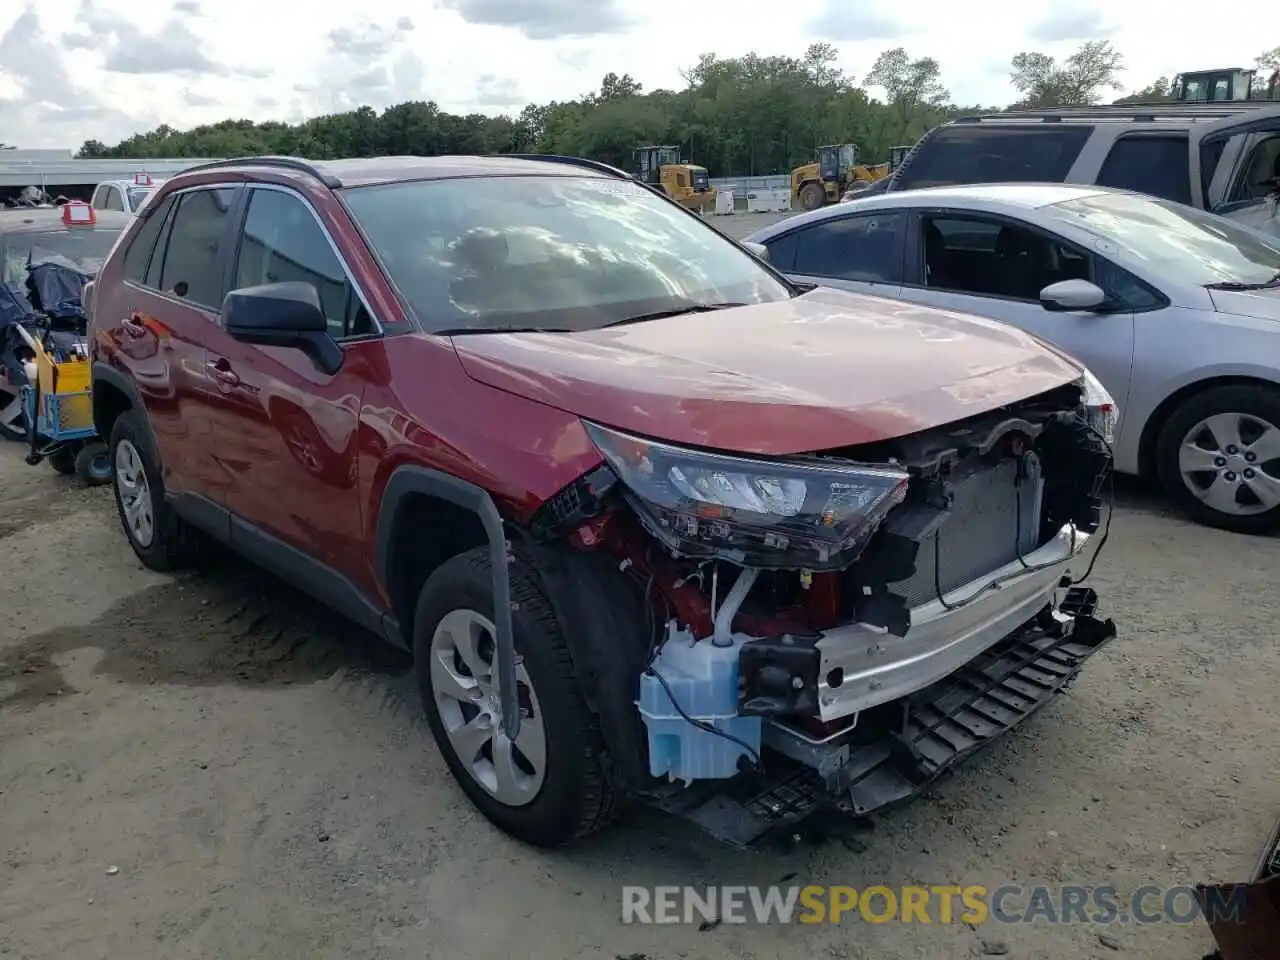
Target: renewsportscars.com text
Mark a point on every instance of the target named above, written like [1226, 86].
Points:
[973, 904]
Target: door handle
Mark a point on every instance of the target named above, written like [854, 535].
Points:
[221, 371]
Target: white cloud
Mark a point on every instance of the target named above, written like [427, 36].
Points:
[104, 69]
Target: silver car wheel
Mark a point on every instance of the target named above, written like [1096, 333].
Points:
[134, 493]
[13, 415]
[464, 682]
[1231, 462]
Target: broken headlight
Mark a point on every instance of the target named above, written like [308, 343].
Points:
[1100, 407]
[789, 514]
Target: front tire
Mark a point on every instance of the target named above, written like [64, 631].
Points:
[549, 788]
[1218, 458]
[161, 539]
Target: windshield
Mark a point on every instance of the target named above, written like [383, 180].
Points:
[137, 195]
[564, 253]
[84, 247]
[1183, 242]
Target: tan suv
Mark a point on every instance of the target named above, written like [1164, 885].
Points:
[1218, 156]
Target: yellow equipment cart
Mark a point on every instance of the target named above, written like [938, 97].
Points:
[59, 408]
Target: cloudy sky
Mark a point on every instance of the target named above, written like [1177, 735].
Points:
[103, 69]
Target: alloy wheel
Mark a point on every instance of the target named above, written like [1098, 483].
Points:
[135, 494]
[464, 681]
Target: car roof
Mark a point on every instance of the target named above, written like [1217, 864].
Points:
[364, 171]
[1027, 196]
[47, 219]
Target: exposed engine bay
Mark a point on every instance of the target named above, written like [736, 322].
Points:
[865, 616]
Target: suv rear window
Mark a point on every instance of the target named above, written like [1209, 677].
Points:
[1148, 163]
[967, 153]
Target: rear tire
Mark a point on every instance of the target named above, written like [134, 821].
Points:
[812, 196]
[63, 460]
[161, 539]
[570, 796]
[1218, 458]
[92, 464]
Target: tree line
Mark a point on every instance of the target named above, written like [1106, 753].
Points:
[740, 116]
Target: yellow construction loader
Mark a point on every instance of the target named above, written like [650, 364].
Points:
[836, 171]
[685, 183]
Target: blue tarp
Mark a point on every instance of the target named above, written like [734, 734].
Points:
[54, 286]
[50, 307]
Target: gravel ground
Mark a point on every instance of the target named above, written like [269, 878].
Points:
[213, 766]
[738, 225]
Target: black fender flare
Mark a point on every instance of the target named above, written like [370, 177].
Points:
[105, 373]
[603, 621]
[412, 479]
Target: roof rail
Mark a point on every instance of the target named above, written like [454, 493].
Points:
[572, 161]
[286, 163]
[1135, 112]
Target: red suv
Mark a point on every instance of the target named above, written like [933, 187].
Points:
[656, 523]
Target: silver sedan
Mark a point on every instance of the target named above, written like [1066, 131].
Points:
[1176, 311]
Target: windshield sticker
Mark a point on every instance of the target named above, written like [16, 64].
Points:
[618, 188]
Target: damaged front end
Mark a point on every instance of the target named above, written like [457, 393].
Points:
[842, 628]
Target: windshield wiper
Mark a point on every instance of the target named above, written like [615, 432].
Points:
[674, 312]
[1238, 285]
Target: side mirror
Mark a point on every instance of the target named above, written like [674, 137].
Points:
[284, 314]
[759, 249]
[1068, 295]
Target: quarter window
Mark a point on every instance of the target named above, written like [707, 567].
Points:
[866, 248]
[138, 257]
[282, 242]
[191, 267]
[782, 251]
[1158, 165]
[976, 153]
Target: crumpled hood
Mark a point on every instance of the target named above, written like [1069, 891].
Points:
[1260, 304]
[824, 370]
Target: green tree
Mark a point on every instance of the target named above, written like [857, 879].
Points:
[1161, 89]
[752, 114]
[1078, 81]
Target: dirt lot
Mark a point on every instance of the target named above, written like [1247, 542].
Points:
[216, 767]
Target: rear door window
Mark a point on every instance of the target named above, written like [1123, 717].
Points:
[976, 153]
[191, 267]
[866, 247]
[1149, 163]
[992, 259]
